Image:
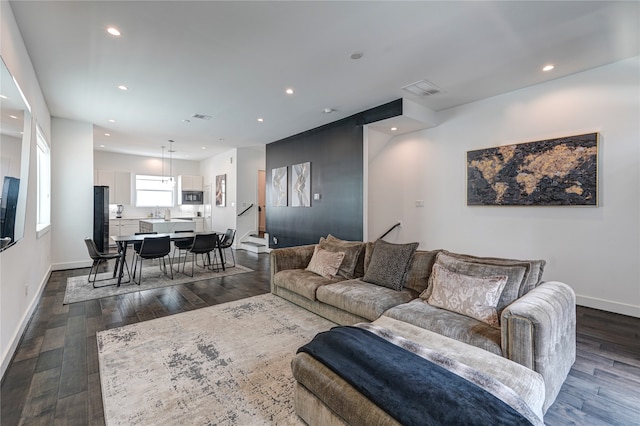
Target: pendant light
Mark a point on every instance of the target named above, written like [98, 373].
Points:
[171, 182]
[162, 163]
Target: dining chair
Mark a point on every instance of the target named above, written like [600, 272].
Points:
[203, 244]
[98, 258]
[137, 245]
[153, 248]
[181, 245]
[225, 243]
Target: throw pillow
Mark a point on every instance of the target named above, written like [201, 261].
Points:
[389, 264]
[359, 268]
[470, 296]
[325, 263]
[351, 250]
[515, 275]
[532, 277]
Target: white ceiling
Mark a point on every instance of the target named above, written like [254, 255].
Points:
[234, 60]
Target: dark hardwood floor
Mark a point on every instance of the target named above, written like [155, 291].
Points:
[54, 378]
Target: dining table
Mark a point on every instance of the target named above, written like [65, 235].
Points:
[123, 241]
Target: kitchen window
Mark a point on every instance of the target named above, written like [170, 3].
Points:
[43, 159]
[154, 191]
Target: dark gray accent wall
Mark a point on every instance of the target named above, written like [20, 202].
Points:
[335, 152]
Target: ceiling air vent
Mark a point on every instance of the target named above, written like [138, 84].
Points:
[201, 116]
[422, 88]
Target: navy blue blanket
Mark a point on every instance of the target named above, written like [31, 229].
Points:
[409, 388]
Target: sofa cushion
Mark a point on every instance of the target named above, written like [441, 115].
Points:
[451, 324]
[389, 264]
[515, 275]
[302, 282]
[352, 254]
[325, 263]
[363, 299]
[532, 277]
[474, 297]
[417, 277]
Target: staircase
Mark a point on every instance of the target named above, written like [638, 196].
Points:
[255, 243]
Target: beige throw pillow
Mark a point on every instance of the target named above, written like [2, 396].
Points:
[325, 263]
[474, 297]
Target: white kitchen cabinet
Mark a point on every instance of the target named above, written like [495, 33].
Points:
[129, 226]
[190, 183]
[119, 184]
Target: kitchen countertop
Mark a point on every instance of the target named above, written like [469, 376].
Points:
[160, 220]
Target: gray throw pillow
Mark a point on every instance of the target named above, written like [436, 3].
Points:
[351, 250]
[389, 264]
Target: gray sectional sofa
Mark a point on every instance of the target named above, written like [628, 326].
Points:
[533, 324]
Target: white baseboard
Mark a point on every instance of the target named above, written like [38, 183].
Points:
[71, 265]
[608, 305]
[7, 356]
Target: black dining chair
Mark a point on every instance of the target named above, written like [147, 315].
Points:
[203, 244]
[138, 244]
[153, 248]
[225, 243]
[181, 245]
[99, 258]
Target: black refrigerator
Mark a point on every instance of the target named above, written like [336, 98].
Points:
[101, 217]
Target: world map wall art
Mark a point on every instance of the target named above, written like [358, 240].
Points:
[554, 172]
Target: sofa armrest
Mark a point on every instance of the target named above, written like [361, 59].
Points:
[290, 258]
[539, 332]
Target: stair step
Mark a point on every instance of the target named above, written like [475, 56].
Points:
[253, 247]
[251, 243]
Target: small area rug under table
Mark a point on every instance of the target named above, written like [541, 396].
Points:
[228, 364]
[79, 290]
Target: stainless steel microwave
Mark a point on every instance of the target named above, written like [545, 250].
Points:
[191, 197]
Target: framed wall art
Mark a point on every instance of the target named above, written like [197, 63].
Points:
[279, 187]
[221, 190]
[553, 172]
[301, 185]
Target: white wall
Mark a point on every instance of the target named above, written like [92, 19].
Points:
[24, 267]
[250, 161]
[594, 250]
[71, 193]
[136, 164]
[225, 163]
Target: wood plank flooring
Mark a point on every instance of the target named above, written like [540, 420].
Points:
[54, 379]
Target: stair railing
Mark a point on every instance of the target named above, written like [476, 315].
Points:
[389, 230]
[245, 210]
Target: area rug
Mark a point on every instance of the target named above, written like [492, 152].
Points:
[228, 364]
[79, 290]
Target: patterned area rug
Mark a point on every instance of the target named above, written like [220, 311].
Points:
[228, 364]
[79, 290]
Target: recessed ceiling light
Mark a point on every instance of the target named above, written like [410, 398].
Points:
[328, 110]
[113, 31]
[186, 121]
[101, 146]
[3, 97]
[204, 147]
[548, 67]
[13, 116]
[260, 119]
[356, 55]
[112, 120]
[289, 91]
[123, 87]
[107, 134]
[393, 129]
